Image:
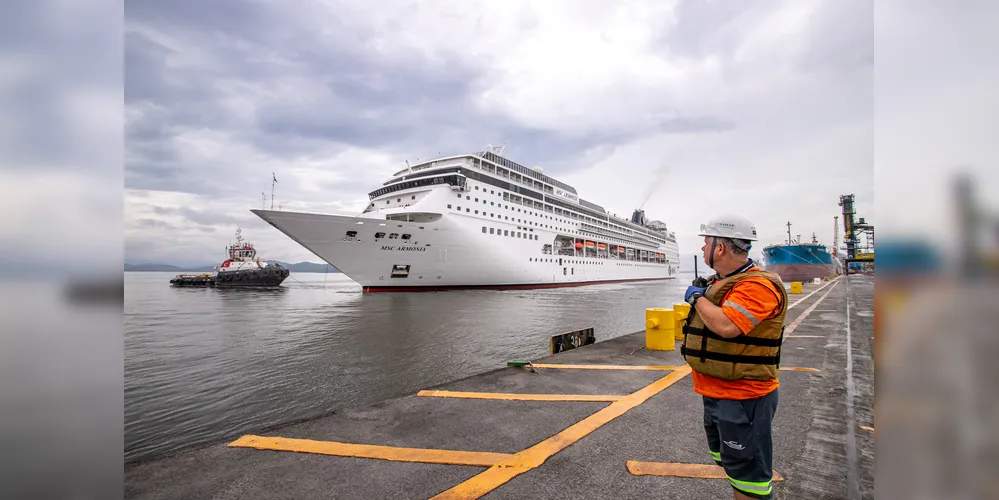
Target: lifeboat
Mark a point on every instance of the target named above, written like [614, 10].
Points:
[590, 244]
[601, 246]
[579, 245]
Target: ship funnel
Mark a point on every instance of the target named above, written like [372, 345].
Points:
[638, 217]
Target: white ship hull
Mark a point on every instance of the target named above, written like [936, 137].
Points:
[446, 255]
[441, 243]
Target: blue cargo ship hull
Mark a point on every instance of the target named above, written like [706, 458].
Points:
[803, 262]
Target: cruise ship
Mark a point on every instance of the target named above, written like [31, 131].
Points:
[480, 220]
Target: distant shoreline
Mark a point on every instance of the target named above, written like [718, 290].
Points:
[301, 267]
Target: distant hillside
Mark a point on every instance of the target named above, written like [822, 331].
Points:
[153, 268]
[301, 267]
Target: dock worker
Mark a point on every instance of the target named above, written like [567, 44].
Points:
[732, 341]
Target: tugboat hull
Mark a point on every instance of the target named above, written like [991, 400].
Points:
[268, 276]
[195, 280]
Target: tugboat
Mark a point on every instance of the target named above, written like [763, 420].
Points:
[242, 268]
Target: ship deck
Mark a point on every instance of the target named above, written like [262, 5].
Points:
[608, 420]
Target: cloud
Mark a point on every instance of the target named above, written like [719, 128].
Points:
[684, 108]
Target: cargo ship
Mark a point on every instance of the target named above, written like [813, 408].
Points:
[795, 261]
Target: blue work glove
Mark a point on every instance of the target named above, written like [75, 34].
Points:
[693, 293]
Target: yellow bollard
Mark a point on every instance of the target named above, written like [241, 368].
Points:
[659, 327]
[795, 287]
[682, 310]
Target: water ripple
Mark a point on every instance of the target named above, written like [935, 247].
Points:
[203, 365]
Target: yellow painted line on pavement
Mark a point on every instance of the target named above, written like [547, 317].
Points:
[812, 293]
[867, 428]
[522, 397]
[536, 455]
[805, 337]
[604, 367]
[797, 321]
[673, 469]
[397, 454]
[798, 369]
[628, 367]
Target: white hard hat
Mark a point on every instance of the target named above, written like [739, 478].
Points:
[732, 226]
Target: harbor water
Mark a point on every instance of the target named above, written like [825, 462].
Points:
[204, 364]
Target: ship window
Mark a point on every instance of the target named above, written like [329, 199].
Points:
[492, 192]
[351, 234]
[483, 229]
[468, 197]
[519, 235]
[379, 235]
[476, 200]
[398, 200]
[388, 201]
[468, 209]
[414, 196]
[493, 203]
[393, 236]
[476, 188]
[492, 230]
[476, 212]
[506, 232]
[459, 196]
[407, 236]
[449, 205]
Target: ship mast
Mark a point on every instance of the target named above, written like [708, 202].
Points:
[273, 182]
[788, 232]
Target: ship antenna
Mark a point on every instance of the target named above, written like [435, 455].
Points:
[263, 200]
[273, 182]
[788, 232]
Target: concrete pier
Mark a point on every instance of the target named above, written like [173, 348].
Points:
[608, 420]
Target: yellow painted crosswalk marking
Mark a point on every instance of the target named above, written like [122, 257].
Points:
[521, 397]
[397, 454]
[674, 469]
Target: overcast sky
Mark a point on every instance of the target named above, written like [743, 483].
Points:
[687, 108]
